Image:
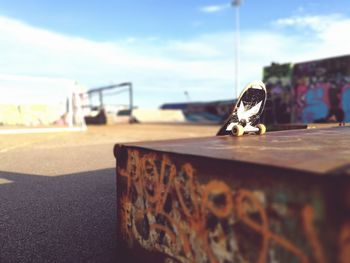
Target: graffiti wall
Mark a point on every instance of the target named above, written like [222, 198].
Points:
[278, 80]
[315, 91]
[322, 90]
[165, 208]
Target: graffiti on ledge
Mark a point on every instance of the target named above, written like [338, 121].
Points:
[164, 208]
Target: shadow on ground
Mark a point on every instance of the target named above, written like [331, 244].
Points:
[67, 218]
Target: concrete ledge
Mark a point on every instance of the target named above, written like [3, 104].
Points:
[282, 197]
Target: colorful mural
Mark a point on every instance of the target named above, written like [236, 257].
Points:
[315, 91]
[164, 208]
[321, 90]
[345, 101]
[278, 81]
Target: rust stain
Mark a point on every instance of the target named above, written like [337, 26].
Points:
[344, 243]
[310, 232]
[169, 211]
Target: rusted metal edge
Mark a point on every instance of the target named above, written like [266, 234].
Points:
[339, 171]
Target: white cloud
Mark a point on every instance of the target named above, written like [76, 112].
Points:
[319, 36]
[161, 70]
[314, 22]
[157, 73]
[214, 8]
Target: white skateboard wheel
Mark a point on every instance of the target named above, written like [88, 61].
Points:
[262, 129]
[237, 130]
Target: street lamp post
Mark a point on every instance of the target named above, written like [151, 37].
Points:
[187, 96]
[236, 4]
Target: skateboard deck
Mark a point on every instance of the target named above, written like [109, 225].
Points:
[246, 113]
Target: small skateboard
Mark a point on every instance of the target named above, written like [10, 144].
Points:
[247, 111]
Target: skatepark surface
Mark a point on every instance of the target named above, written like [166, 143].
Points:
[57, 191]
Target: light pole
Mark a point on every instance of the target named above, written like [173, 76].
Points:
[236, 4]
[187, 96]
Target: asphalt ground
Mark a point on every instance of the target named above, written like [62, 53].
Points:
[57, 191]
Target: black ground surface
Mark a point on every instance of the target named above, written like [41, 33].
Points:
[57, 192]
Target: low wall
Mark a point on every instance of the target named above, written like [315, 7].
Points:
[29, 115]
[157, 116]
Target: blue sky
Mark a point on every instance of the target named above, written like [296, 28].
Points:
[106, 20]
[164, 47]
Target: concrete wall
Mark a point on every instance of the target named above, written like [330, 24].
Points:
[29, 115]
[158, 116]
